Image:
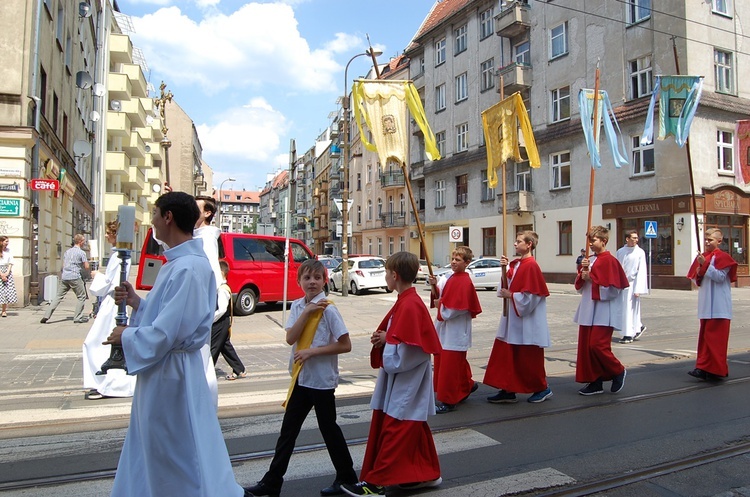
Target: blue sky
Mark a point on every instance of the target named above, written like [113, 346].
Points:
[253, 75]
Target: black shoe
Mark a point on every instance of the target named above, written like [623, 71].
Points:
[638, 335]
[618, 381]
[474, 388]
[502, 397]
[593, 388]
[43, 320]
[698, 373]
[262, 489]
[363, 488]
[334, 488]
[442, 408]
[626, 339]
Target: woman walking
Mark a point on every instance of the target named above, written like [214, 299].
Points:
[7, 287]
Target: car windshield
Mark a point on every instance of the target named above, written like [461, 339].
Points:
[329, 263]
[369, 263]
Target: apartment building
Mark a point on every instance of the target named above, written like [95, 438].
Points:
[548, 52]
[188, 172]
[238, 211]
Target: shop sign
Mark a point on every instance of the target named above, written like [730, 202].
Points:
[13, 187]
[44, 184]
[10, 207]
[11, 172]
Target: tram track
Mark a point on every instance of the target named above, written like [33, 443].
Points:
[589, 488]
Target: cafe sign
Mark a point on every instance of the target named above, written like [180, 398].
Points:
[44, 184]
[10, 207]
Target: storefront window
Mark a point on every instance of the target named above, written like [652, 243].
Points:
[734, 232]
[661, 246]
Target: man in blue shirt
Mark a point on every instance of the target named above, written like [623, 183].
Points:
[73, 260]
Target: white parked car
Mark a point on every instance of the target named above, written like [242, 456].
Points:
[484, 273]
[424, 271]
[364, 273]
[330, 264]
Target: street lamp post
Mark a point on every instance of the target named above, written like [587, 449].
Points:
[221, 187]
[345, 189]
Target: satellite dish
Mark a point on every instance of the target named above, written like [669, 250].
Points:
[156, 188]
[115, 105]
[148, 149]
[149, 120]
[84, 10]
[84, 80]
[82, 148]
[99, 89]
[94, 116]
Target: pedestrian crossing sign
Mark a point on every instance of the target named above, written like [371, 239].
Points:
[650, 229]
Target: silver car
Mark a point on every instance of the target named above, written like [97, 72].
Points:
[484, 273]
[364, 273]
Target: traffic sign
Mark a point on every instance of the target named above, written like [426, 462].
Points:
[650, 229]
[456, 234]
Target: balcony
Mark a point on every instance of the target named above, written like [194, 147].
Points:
[134, 146]
[118, 86]
[393, 219]
[118, 124]
[513, 20]
[135, 179]
[516, 77]
[120, 49]
[117, 163]
[135, 111]
[520, 201]
[113, 200]
[335, 151]
[392, 179]
[137, 80]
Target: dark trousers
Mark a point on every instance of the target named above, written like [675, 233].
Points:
[220, 344]
[301, 401]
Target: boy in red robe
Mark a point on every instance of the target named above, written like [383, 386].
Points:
[400, 448]
[600, 281]
[713, 271]
[457, 306]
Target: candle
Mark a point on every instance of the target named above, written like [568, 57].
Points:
[126, 227]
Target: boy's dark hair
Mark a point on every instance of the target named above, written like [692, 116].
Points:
[224, 268]
[599, 232]
[464, 252]
[184, 210]
[313, 266]
[209, 205]
[404, 264]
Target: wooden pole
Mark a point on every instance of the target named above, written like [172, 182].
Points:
[503, 238]
[689, 161]
[593, 170]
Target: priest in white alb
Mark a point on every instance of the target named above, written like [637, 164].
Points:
[633, 261]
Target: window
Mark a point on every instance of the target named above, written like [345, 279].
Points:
[487, 192]
[402, 243]
[640, 77]
[565, 238]
[43, 90]
[68, 52]
[391, 245]
[369, 245]
[440, 52]
[359, 214]
[643, 157]
[440, 98]
[486, 24]
[558, 40]
[560, 104]
[560, 167]
[487, 69]
[462, 189]
[638, 10]
[489, 242]
[402, 205]
[440, 193]
[359, 181]
[462, 137]
[368, 179]
[462, 88]
[380, 246]
[724, 150]
[460, 44]
[523, 177]
[735, 235]
[723, 71]
[60, 25]
[55, 111]
[380, 207]
[421, 65]
[440, 141]
[522, 53]
[722, 7]
[369, 210]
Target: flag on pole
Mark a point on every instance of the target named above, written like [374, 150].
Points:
[500, 123]
[678, 101]
[604, 113]
[381, 105]
[742, 152]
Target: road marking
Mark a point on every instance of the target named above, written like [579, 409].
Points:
[510, 485]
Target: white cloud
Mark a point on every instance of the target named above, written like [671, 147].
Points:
[256, 46]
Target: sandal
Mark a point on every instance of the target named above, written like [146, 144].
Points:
[236, 376]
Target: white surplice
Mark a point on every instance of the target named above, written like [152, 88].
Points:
[116, 383]
[174, 445]
[633, 261]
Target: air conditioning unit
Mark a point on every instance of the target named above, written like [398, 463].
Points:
[414, 234]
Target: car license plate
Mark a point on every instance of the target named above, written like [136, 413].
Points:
[479, 275]
[376, 273]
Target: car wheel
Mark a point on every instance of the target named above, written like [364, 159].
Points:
[247, 300]
[333, 286]
[325, 289]
[353, 288]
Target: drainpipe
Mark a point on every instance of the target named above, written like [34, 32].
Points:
[34, 278]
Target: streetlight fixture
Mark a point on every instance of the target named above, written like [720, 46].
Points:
[221, 187]
[345, 190]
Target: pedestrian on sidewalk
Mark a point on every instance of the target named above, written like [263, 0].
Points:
[713, 271]
[116, 382]
[74, 259]
[317, 334]
[174, 445]
[633, 261]
[400, 448]
[457, 305]
[7, 287]
[600, 283]
[221, 330]
[516, 363]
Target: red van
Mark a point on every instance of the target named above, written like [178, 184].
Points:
[256, 268]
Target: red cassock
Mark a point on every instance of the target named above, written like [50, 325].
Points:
[400, 450]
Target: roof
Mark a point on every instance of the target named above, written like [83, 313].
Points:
[245, 196]
[394, 65]
[442, 10]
